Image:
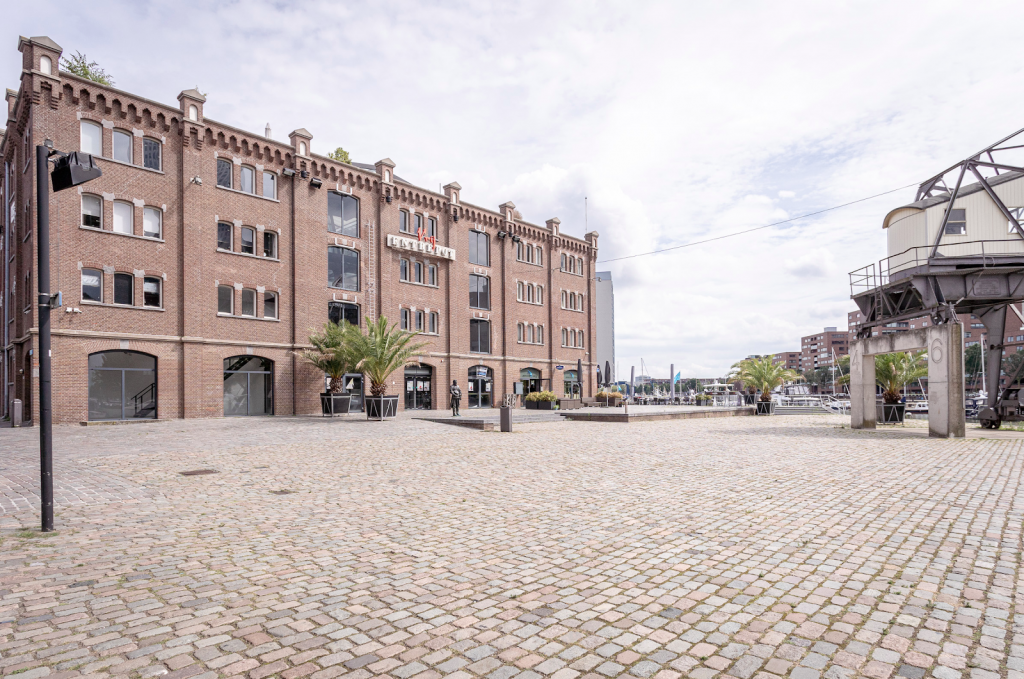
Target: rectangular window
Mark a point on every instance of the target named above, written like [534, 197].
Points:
[92, 138]
[342, 268]
[151, 292]
[124, 288]
[403, 270]
[956, 225]
[479, 336]
[479, 248]
[404, 319]
[248, 241]
[417, 223]
[479, 292]
[342, 214]
[270, 244]
[269, 185]
[122, 146]
[224, 231]
[248, 180]
[419, 272]
[419, 321]
[92, 285]
[124, 214]
[92, 211]
[248, 302]
[403, 221]
[432, 227]
[432, 275]
[225, 299]
[433, 322]
[152, 222]
[269, 305]
[151, 154]
[224, 173]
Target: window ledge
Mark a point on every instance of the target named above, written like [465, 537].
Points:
[247, 318]
[246, 254]
[422, 285]
[480, 308]
[137, 167]
[118, 233]
[523, 261]
[523, 301]
[532, 344]
[243, 193]
[331, 287]
[122, 306]
[339, 234]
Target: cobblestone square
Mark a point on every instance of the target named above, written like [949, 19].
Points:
[744, 547]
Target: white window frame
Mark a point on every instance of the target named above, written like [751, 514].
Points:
[270, 179]
[277, 298]
[119, 133]
[98, 129]
[159, 292]
[149, 209]
[131, 217]
[99, 199]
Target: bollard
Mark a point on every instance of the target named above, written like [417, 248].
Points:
[17, 413]
[506, 418]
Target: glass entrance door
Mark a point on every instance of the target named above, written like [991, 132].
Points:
[248, 386]
[480, 387]
[417, 387]
[122, 386]
[530, 377]
[354, 388]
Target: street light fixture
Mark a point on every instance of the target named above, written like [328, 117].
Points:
[70, 170]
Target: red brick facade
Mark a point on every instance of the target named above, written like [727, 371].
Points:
[184, 331]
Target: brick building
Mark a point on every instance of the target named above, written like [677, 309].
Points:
[821, 349]
[790, 360]
[202, 259]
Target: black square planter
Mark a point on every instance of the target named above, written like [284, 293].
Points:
[890, 413]
[381, 407]
[335, 404]
[766, 407]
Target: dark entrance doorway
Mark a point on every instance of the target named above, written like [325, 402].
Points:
[480, 387]
[417, 387]
[122, 386]
[530, 377]
[354, 388]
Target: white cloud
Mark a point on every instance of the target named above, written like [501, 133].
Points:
[678, 122]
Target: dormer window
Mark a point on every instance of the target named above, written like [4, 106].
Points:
[45, 65]
[455, 197]
[302, 148]
[193, 112]
[387, 176]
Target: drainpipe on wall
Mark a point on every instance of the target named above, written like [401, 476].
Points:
[5, 196]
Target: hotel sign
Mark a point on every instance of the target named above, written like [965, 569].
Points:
[422, 244]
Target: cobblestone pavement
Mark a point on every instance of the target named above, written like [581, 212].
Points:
[743, 547]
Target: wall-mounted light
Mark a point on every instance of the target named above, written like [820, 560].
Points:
[502, 234]
[197, 180]
[304, 174]
[516, 239]
[387, 195]
[316, 183]
[288, 172]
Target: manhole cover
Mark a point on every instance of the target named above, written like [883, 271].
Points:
[281, 492]
[198, 472]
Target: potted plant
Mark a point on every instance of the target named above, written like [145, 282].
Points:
[331, 354]
[379, 353]
[764, 375]
[609, 398]
[892, 373]
[541, 400]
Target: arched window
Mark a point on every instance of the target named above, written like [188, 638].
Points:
[565, 337]
[224, 172]
[302, 148]
[92, 138]
[538, 255]
[248, 386]
[342, 214]
[529, 293]
[342, 268]
[563, 262]
[152, 222]
[122, 386]
[572, 301]
[519, 291]
[247, 183]
[151, 151]
[124, 218]
[564, 298]
[122, 145]
[193, 112]
[45, 65]
[519, 327]
[403, 221]
[579, 266]
[579, 338]
[539, 296]
[92, 211]
[540, 334]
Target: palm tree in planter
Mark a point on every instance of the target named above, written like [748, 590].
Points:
[763, 374]
[892, 373]
[332, 355]
[380, 352]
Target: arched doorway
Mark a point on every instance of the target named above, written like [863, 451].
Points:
[530, 377]
[122, 386]
[418, 387]
[572, 389]
[480, 387]
[248, 386]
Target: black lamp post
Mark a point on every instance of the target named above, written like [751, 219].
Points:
[69, 171]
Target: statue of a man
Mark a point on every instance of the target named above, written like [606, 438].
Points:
[456, 397]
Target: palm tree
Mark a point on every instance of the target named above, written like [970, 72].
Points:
[894, 371]
[763, 374]
[332, 352]
[383, 350]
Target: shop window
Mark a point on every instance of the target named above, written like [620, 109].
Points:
[248, 386]
[122, 386]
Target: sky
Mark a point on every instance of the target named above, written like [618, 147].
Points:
[655, 124]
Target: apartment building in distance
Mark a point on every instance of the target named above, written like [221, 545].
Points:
[605, 339]
[822, 349]
[790, 360]
[200, 262]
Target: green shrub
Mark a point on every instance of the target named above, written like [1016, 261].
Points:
[541, 396]
[608, 395]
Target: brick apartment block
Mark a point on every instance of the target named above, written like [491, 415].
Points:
[203, 244]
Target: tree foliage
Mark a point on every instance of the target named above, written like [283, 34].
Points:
[1011, 363]
[333, 352]
[764, 374]
[972, 362]
[894, 371]
[80, 65]
[339, 154]
[383, 350]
